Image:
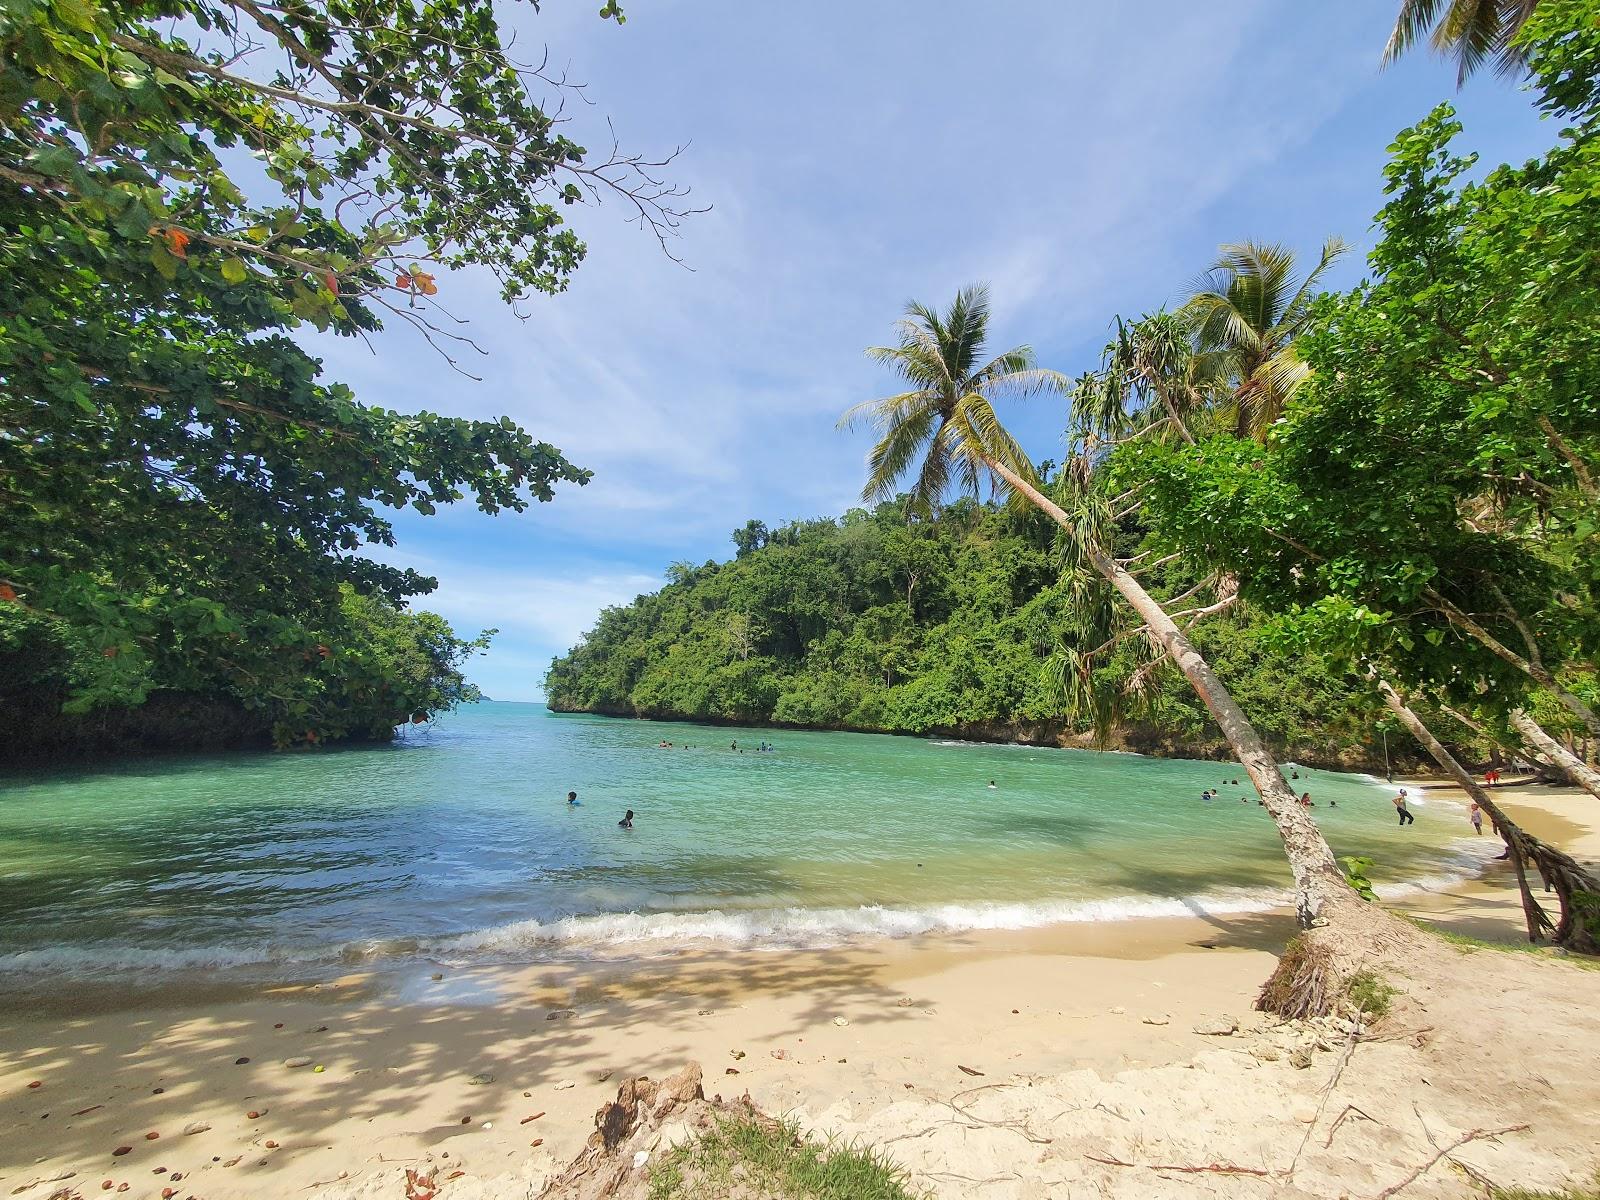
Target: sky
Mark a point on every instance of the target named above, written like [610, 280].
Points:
[1083, 160]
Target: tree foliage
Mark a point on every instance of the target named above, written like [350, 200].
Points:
[875, 623]
[188, 185]
[1429, 503]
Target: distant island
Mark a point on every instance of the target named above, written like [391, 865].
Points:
[941, 627]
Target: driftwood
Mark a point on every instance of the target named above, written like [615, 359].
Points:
[1461, 1141]
[605, 1166]
[1208, 1168]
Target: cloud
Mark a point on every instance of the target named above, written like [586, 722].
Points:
[1084, 160]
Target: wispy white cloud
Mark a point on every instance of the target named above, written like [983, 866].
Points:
[1084, 160]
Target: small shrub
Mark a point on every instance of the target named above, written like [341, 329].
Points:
[779, 1161]
[1356, 867]
[1369, 993]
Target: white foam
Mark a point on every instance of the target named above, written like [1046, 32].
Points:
[816, 928]
[608, 934]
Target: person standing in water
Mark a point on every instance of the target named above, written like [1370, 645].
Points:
[1400, 807]
[1475, 815]
[627, 820]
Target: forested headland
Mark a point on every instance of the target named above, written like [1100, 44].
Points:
[951, 624]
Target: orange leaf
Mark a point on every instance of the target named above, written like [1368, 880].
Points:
[7, 592]
[177, 242]
[425, 283]
[332, 281]
[109, 652]
[403, 281]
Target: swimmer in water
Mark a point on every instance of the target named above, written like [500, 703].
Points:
[991, 783]
[572, 799]
[627, 820]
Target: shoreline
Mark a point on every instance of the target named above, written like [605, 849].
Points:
[831, 1035]
[1044, 735]
[605, 940]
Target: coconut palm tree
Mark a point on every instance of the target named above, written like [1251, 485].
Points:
[1473, 31]
[1247, 311]
[944, 429]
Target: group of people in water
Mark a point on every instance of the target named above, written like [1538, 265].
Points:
[761, 748]
[1401, 799]
[764, 747]
[627, 817]
[1401, 802]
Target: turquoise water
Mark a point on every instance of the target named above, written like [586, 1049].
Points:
[457, 845]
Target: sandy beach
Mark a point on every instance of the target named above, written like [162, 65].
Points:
[987, 1064]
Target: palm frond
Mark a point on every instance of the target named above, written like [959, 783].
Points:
[891, 457]
[933, 480]
[980, 437]
[1416, 17]
[1299, 306]
[1218, 322]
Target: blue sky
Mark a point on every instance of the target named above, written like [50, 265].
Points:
[1084, 162]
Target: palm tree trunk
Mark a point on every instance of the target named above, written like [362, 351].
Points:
[1319, 884]
[1568, 763]
[1560, 873]
[1508, 831]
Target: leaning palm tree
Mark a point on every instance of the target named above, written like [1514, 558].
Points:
[1472, 31]
[944, 429]
[1247, 311]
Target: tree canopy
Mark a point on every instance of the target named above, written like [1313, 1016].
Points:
[1428, 504]
[190, 186]
[877, 623]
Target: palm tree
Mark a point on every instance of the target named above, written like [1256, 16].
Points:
[946, 430]
[1247, 312]
[1473, 31]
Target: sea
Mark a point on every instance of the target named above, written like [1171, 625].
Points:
[457, 845]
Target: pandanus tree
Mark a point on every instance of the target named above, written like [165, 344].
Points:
[1472, 32]
[943, 431]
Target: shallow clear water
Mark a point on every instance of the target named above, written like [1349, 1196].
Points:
[458, 845]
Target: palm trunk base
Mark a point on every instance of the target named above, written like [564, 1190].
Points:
[1577, 927]
[1317, 967]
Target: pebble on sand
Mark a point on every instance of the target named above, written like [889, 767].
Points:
[841, 1021]
[1157, 1019]
[300, 1060]
[564, 1085]
[481, 1078]
[121, 1150]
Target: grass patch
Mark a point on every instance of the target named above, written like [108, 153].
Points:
[1371, 994]
[1468, 944]
[745, 1156]
[1589, 1192]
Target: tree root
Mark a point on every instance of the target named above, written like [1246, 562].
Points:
[1577, 891]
